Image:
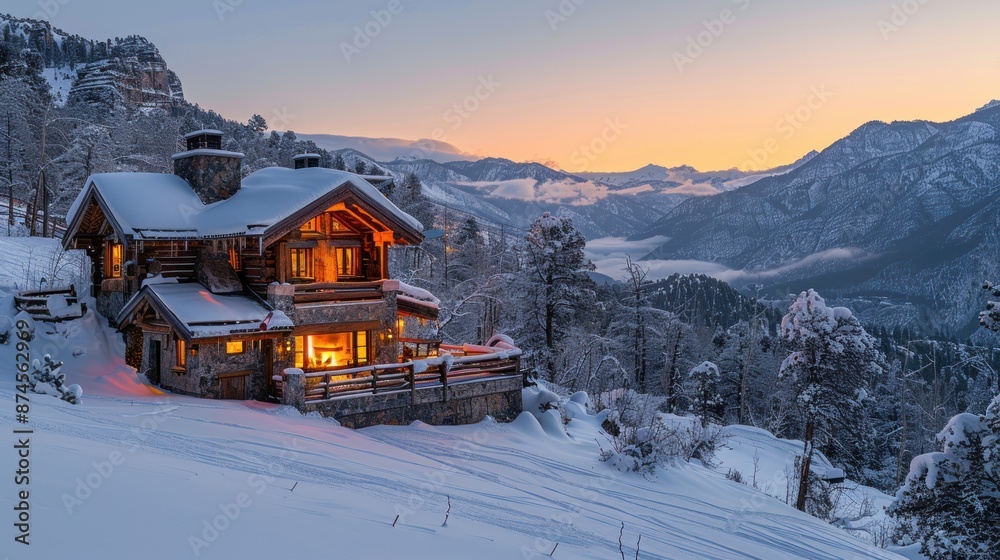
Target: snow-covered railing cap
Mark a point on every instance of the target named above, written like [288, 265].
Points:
[207, 152]
[211, 131]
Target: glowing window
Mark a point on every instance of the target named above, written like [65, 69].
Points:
[235, 347]
[180, 353]
[302, 263]
[331, 351]
[114, 265]
[347, 261]
[310, 226]
[234, 258]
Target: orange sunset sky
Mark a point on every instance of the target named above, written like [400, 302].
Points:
[562, 70]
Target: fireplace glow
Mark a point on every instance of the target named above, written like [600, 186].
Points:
[328, 351]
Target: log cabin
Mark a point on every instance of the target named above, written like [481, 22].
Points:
[220, 283]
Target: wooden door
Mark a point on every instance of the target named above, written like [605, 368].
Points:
[234, 386]
[154, 362]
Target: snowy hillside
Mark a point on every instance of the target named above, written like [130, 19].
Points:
[228, 479]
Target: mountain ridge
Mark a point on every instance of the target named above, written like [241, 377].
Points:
[894, 210]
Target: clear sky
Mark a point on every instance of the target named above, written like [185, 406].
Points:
[596, 85]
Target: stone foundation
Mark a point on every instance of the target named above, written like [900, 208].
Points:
[467, 403]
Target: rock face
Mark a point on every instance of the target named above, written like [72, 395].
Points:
[82, 70]
[134, 72]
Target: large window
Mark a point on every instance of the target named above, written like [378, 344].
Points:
[332, 351]
[348, 261]
[302, 263]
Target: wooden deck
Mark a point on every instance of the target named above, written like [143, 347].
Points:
[463, 366]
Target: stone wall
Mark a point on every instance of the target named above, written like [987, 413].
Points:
[109, 304]
[201, 376]
[467, 403]
[213, 177]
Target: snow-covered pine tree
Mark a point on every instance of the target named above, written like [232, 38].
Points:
[556, 282]
[829, 369]
[338, 162]
[703, 391]
[950, 503]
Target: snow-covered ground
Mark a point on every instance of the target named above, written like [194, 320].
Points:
[135, 473]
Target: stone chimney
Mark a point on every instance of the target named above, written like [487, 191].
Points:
[212, 172]
[303, 161]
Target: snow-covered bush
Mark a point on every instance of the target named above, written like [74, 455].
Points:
[639, 439]
[950, 502]
[47, 379]
[700, 442]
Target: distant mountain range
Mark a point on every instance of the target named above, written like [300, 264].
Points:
[515, 194]
[512, 193]
[899, 220]
[387, 149]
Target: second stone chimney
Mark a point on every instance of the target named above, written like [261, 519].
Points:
[303, 161]
[213, 173]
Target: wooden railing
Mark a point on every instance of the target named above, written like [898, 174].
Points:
[337, 291]
[409, 376]
[35, 303]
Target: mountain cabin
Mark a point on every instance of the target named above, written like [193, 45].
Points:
[222, 286]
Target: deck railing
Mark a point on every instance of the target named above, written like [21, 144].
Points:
[337, 291]
[36, 304]
[441, 371]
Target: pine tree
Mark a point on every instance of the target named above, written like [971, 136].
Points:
[703, 392]
[829, 369]
[557, 280]
[338, 163]
[950, 502]
[257, 124]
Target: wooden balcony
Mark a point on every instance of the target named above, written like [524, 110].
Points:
[324, 292]
[469, 364]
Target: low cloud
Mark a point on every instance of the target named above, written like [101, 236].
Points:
[694, 189]
[633, 190]
[609, 255]
[558, 192]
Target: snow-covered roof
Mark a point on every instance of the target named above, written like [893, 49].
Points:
[303, 156]
[164, 206]
[199, 313]
[203, 131]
